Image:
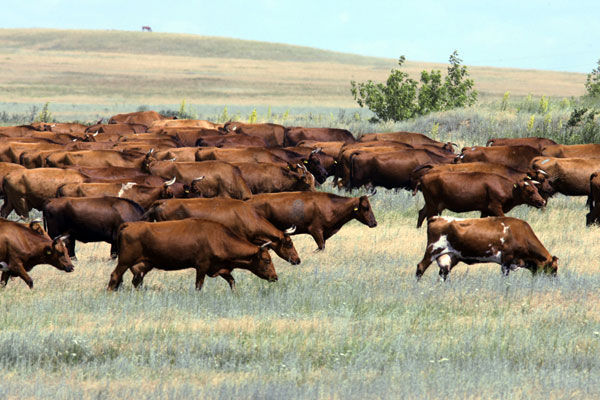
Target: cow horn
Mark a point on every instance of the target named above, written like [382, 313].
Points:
[60, 237]
[262, 246]
[453, 144]
[95, 134]
[373, 193]
[150, 151]
[198, 178]
[74, 140]
[526, 184]
[535, 182]
[172, 159]
[36, 221]
[541, 171]
[317, 150]
[172, 181]
[290, 230]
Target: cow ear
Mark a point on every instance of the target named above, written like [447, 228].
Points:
[36, 227]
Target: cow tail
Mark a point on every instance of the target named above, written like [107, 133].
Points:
[417, 174]
[350, 182]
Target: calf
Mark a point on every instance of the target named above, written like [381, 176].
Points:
[209, 247]
[24, 246]
[507, 241]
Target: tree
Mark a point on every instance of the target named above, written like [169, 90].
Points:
[592, 83]
[402, 98]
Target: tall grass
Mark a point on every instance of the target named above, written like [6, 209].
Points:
[349, 322]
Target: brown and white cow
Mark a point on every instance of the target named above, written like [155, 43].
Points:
[507, 241]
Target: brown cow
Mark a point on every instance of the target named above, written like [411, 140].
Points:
[491, 194]
[535, 142]
[507, 241]
[184, 123]
[209, 247]
[219, 179]
[24, 246]
[297, 134]
[5, 169]
[96, 158]
[412, 138]
[139, 117]
[233, 140]
[112, 131]
[180, 154]
[89, 219]
[569, 176]
[517, 157]
[318, 214]
[272, 134]
[591, 150]
[143, 195]
[119, 175]
[237, 215]
[30, 188]
[271, 178]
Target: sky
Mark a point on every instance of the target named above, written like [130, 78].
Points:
[532, 34]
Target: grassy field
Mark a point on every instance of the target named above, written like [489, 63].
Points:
[113, 69]
[350, 322]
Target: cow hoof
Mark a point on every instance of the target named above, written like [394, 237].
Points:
[113, 255]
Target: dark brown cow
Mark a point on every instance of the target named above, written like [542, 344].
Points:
[209, 247]
[593, 217]
[272, 134]
[237, 215]
[591, 150]
[139, 117]
[391, 170]
[30, 188]
[37, 158]
[569, 176]
[412, 138]
[11, 151]
[5, 169]
[143, 195]
[233, 140]
[318, 214]
[517, 157]
[96, 158]
[180, 154]
[507, 241]
[535, 142]
[89, 219]
[119, 175]
[332, 149]
[24, 246]
[271, 178]
[491, 194]
[17, 131]
[219, 179]
[297, 134]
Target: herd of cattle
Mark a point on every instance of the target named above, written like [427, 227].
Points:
[174, 194]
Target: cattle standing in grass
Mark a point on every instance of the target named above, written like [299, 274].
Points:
[297, 134]
[569, 176]
[90, 219]
[507, 241]
[488, 193]
[321, 215]
[237, 215]
[30, 188]
[412, 138]
[591, 150]
[271, 178]
[517, 157]
[535, 142]
[209, 247]
[272, 134]
[24, 246]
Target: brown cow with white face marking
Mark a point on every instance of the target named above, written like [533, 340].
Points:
[22, 247]
[209, 247]
[507, 241]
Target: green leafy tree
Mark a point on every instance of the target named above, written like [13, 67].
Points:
[402, 98]
[592, 83]
[45, 115]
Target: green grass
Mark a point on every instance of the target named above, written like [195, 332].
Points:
[350, 322]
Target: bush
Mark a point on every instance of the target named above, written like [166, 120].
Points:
[45, 115]
[592, 83]
[401, 98]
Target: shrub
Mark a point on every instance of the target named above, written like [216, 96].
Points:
[592, 83]
[45, 115]
[402, 98]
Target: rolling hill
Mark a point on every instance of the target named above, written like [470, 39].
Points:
[121, 67]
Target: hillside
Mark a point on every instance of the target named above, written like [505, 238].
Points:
[111, 67]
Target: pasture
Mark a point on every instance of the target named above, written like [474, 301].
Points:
[349, 322]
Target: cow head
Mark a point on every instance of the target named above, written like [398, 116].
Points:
[543, 185]
[57, 255]
[285, 249]
[527, 192]
[262, 265]
[362, 211]
[314, 166]
[304, 179]
[148, 160]
[169, 190]
[548, 267]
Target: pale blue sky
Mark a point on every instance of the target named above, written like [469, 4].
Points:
[555, 35]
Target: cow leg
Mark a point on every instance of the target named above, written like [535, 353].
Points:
[495, 209]
[428, 211]
[4, 278]
[229, 278]
[446, 262]
[200, 275]
[139, 271]
[19, 271]
[6, 209]
[71, 247]
[424, 264]
[317, 235]
[593, 215]
[422, 214]
[116, 278]
[114, 252]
